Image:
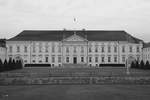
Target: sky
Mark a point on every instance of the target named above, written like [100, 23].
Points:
[133, 16]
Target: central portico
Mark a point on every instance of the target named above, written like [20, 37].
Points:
[74, 50]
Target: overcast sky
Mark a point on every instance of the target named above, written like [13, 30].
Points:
[132, 16]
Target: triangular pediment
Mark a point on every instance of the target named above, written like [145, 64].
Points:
[75, 37]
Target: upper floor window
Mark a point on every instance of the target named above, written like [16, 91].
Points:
[82, 49]
[67, 49]
[109, 49]
[137, 49]
[40, 48]
[75, 50]
[130, 49]
[33, 48]
[10, 49]
[115, 49]
[90, 50]
[46, 48]
[53, 48]
[25, 49]
[96, 49]
[103, 49]
[18, 49]
[59, 49]
[123, 49]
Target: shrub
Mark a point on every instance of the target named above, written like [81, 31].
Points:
[137, 64]
[147, 65]
[1, 65]
[142, 64]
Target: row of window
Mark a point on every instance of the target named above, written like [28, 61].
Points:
[90, 59]
[75, 49]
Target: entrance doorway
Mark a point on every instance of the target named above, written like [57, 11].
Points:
[74, 60]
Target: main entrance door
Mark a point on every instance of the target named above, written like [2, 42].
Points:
[75, 60]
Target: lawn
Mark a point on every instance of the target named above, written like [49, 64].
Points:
[75, 92]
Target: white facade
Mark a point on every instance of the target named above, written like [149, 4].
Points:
[146, 54]
[2, 53]
[74, 50]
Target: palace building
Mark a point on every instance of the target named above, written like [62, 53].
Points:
[59, 47]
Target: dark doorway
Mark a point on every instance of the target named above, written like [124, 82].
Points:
[75, 60]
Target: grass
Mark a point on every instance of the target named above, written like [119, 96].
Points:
[75, 92]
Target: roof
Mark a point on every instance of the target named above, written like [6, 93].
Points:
[58, 35]
[146, 45]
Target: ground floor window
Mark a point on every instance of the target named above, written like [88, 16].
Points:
[123, 59]
[109, 59]
[90, 59]
[46, 59]
[59, 59]
[67, 59]
[96, 59]
[53, 59]
[82, 59]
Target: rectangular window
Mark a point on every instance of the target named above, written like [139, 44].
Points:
[96, 59]
[33, 48]
[53, 59]
[115, 49]
[103, 49]
[130, 48]
[18, 49]
[46, 48]
[82, 49]
[59, 49]
[123, 49]
[40, 48]
[103, 59]
[46, 59]
[25, 49]
[123, 58]
[96, 49]
[137, 49]
[67, 59]
[109, 49]
[82, 59]
[115, 59]
[90, 50]
[67, 49]
[90, 59]
[75, 50]
[10, 49]
[53, 49]
[59, 59]
[109, 59]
